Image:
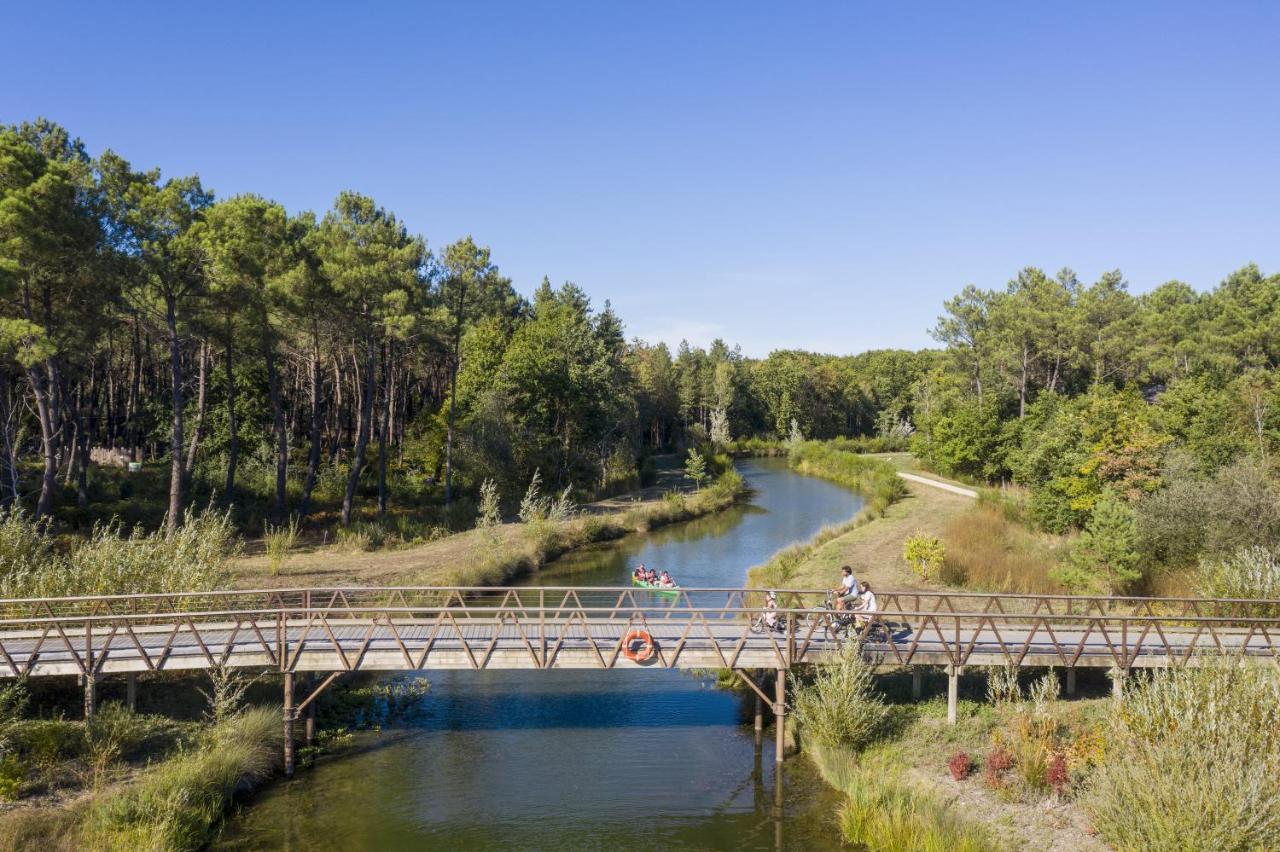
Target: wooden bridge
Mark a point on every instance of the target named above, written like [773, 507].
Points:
[337, 630]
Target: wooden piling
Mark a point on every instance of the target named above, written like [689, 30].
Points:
[780, 716]
[917, 683]
[953, 693]
[131, 690]
[289, 714]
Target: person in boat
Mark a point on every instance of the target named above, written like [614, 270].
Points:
[847, 592]
[651, 577]
[865, 606]
[638, 574]
[666, 582]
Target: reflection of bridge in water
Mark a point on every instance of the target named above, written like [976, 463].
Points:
[337, 630]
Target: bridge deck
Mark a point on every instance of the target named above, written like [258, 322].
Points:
[339, 641]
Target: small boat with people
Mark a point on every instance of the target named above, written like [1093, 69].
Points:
[659, 583]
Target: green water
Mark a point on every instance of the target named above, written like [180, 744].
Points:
[581, 759]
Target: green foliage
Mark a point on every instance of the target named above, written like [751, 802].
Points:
[490, 514]
[695, 467]
[925, 554]
[109, 562]
[840, 706]
[1252, 572]
[873, 478]
[179, 804]
[12, 776]
[1105, 557]
[1192, 762]
[280, 541]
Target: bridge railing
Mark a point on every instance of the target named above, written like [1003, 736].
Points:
[278, 627]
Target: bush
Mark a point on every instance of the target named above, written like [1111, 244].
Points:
[1193, 762]
[925, 554]
[12, 774]
[1252, 572]
[841, 707]
[960, 766]
[1105, 557]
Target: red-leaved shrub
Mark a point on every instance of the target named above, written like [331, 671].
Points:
[960, 765]
[1057, 775]
[999, 762]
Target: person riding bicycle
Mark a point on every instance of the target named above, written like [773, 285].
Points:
[770, 616]
[847, 592]
[865, 606]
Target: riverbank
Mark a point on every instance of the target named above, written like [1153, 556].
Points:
[899, 791]
[175, 802]
[498, 554]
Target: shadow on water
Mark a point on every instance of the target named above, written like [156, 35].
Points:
[582, 759]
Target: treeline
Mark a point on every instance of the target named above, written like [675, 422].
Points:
[1149, 422]
[293, 362]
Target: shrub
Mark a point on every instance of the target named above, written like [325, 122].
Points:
[1105, 557]
[925, 554]
[998, 762]
[841, 706]
[1251, 572]
[960, 765]
[12, 774]
[1193, 762]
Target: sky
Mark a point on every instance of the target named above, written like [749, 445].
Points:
[811, 175]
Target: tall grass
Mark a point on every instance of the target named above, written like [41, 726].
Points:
[178, 804]
[986, 549]
[113, 561]
[280, 540]
[840, 705]
[874, 479]
[885, 812]
[1193, 762]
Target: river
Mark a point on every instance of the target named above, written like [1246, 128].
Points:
[572, 759]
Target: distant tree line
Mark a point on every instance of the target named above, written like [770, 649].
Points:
[279, 358]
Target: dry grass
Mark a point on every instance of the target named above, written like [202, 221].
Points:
[986, 550]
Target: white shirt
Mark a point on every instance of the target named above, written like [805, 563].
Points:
[848, 583]
[867, 601]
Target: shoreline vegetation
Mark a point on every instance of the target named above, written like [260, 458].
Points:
[1022, 769]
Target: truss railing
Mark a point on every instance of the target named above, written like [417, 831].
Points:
[410, 628]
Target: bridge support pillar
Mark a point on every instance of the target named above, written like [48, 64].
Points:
[759, 726]
[953, 693]
[1071, 680]
[917, 683]
[780, 716]
[289, 715]
[1117, 683]
[309, 726]
[131, 690]
[90, 694]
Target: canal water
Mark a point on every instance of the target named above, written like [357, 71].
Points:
[588, 760]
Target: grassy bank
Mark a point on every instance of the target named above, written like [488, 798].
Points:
[176, 803]
[501, 555]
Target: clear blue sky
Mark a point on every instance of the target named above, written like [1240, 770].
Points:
[782, 175]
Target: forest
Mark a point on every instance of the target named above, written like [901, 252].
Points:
[335, 366]
[305, 365]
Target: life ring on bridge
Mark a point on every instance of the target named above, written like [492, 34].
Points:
[644, 652]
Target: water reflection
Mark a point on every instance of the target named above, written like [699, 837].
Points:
[582, 759]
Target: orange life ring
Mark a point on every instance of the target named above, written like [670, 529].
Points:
[644, 652]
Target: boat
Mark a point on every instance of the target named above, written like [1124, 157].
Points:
[657, 590]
